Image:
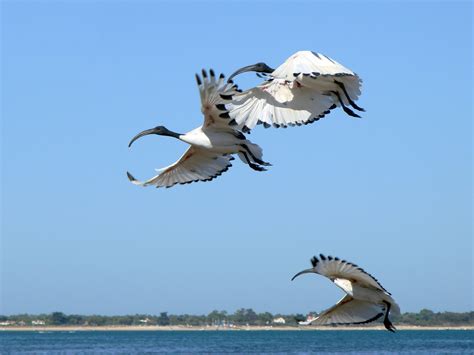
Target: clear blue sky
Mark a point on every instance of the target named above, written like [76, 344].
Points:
[391, 191]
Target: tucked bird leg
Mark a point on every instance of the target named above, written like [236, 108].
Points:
[386, 322]
[344, 107]
[255, 159]
[252, 165]
[351, 102]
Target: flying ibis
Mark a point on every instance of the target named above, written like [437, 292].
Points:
[211, 145]
[305, 88]
[365, 301]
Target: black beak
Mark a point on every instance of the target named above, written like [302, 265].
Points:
[302, 272]
[141, 134]
[259, 68]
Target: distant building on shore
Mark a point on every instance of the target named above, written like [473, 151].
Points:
[279, 320]
[38, 322]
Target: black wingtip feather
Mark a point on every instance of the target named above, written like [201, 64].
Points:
[198, 80]
[226, 97]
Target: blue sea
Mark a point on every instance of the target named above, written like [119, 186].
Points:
[239, 342]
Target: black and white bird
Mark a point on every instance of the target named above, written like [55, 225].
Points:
[305, 88]
[211, 145]
[366, 300]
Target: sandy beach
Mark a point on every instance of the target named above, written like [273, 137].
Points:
[199, 328]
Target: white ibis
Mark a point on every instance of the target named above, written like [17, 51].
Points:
[365, 301]
[211, 145]
[305, 88]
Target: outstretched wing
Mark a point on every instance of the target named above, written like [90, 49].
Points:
[335, 268]
[210, 91]
[300, 91]
[195, 165]
[349, 311]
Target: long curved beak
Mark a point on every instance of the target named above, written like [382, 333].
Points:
[307, 271]
[253, 67]
[141, 134]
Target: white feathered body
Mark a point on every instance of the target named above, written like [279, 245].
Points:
[215, 140]
[366, 293]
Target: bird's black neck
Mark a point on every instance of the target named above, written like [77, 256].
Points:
[170, 134]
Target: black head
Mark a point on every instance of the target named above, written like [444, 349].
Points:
[259, 68]
[263, 68]
[160, 130]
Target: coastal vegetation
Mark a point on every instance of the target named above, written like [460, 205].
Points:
[218, 318]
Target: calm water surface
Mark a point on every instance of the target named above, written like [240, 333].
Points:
[262, 342]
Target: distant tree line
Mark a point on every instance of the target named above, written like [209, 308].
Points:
[426, 318]
[219, 318]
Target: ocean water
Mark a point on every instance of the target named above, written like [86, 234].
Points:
[239, 342]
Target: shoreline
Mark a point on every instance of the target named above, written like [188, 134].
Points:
[211, 328]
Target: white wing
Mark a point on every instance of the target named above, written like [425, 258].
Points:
[335, 268]
[300, 91]
[212, 104]
[195, 165]
[349, 311]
